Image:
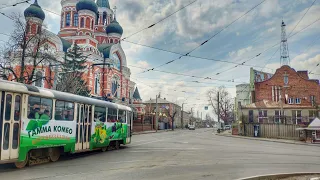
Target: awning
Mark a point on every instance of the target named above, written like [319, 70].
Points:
[313, 126]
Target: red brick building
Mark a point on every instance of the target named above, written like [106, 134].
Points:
[289, 96]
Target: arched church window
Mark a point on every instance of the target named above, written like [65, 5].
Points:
[111, 40]
[104, 18]
[68, 19]
[76, 20]
[97, 83]
[97, 18]
[38, 80]
[88, 22]
[116, 61]
[82, 22]
[115, 86]
[92, 24]
[39, 29]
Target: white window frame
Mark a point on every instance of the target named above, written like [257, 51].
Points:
[290, 100]
[298, 100]
[97, 77]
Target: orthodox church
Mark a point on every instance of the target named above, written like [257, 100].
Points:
[93, 26]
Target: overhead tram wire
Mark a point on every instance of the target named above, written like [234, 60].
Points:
[203, 43]
[291, 32]
[152, 25]
[15, 4]
[272, 46]
[198, 57]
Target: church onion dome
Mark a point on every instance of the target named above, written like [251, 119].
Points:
[34, 10]
[87, 5]
[103, 3]
[65, 44]
[114, 27]
[105, 50]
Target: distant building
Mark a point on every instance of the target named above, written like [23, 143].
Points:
[186, 118]
[288, 97]
[165, 107]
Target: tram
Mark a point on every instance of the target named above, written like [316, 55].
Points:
[38, 125]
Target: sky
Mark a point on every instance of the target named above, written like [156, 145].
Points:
[257, 32]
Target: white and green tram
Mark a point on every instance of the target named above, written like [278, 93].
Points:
[37, 125]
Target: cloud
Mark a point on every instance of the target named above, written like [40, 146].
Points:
[143, 64]
[269, 8]
[271, 29]
[240, 52]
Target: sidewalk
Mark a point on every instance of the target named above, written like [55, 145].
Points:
[154, 131]
[286, 141]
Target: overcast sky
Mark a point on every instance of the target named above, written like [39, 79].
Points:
[253, 34]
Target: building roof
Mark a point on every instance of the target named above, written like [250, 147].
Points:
[314, 125]
[34, 10]
[87, 5]
[105, 49]
[103, 3]
[114, 27]
[266, 104]
[136, 94]
[160, 101]
[65, 44]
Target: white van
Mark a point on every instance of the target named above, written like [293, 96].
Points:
[192, 127]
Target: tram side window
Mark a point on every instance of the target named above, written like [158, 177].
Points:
[100, 114]
[64, 111]
[39, 108]
[112, 115]
[122, 116]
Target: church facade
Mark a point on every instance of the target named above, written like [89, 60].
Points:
[93, 26]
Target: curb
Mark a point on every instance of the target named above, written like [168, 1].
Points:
[283, 175]
[269, 140]
[151, 132]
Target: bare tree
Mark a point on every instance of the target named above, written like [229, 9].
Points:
[27, 50]
[172, 114]
[225, 103]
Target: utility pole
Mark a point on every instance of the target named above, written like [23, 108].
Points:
[182, 116]
[218, 101]
[157, 109]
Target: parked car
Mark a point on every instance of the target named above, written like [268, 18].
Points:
[227, 127]
[192, 127]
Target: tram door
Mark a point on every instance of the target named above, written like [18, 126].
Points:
[10, 116]
[83, 132]
[129, 129]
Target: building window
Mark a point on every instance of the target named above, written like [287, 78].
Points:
[290, 100]
[97, 84]
[82, 22]
[116, 61]
[97, 18]
[68, 19]
[312, 115]
[312, 100]
[296, 117]
[76, 20]
[39, 79]
[285, 79]
[92, 24]
[298, 101]
[263, 117]
[277, 116]
[111, 40]
[115, 87]
[104, 21]
[250, 116]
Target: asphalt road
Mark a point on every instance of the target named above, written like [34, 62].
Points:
[178, 155]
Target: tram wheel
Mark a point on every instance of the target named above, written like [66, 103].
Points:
[104, 149]
[22, 164]
[54, 154]
[117, 146]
